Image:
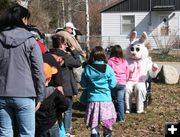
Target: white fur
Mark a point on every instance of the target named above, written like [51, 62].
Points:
[140, 68]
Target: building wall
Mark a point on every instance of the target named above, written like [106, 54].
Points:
[175, 22]
[111, 27]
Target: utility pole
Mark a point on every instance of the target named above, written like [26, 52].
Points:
[87, 24]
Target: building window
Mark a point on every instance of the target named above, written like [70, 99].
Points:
[128, 24]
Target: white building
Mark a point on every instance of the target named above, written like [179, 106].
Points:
[159, 18]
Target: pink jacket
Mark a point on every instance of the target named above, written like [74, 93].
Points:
[121, 70]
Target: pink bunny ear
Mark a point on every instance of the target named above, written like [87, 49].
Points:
[143, 37]
[133, 36]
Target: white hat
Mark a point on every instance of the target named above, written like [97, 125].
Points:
[70, 25]
[35, 34]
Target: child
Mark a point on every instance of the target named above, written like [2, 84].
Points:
[120, 67]
[98, 79]
[51, 109]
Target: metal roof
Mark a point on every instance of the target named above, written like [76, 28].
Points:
[142, 5]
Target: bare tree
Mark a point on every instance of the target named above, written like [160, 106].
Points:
[50, 14]
[95, 16]
[39, 17]
[166, 43]
[4, 4]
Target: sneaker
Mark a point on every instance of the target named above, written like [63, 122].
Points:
[69, 135]
[121, 121]
[95, 135]
[108, 135]
[127, 111]
[140, 112]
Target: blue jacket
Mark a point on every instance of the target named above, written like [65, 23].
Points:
[21, 65]
[97, 85]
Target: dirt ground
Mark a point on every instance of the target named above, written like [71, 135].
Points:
[165, 107]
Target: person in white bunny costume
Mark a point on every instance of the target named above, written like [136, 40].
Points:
[140, 68]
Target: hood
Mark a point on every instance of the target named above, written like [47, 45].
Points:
[14, 37]
[94, 74]
[116, 60]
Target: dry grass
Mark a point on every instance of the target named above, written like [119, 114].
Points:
[164, 108]
[173, 56]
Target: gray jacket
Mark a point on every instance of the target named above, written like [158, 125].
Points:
[21, 65]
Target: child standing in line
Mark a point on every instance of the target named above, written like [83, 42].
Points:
[98, 79]
[120, 67]
[50, 112]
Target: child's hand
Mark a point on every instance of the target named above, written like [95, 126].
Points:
[62, 115]
[62, 62]
[38, 106]
[60, 89]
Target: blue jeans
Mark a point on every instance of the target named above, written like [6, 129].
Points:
[21, 109]
[52, 132]
[120, 101]
[68, 116]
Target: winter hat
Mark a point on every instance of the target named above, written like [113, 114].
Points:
[49, 70]
[35, 34]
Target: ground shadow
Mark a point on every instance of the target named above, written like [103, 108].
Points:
[79, 106]
[77, 115]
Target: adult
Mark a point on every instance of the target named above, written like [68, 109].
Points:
[69, 84]
[78, 35]
[22, 79]
[67, 33]
[38, 36]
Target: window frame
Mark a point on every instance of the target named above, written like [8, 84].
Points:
[122, 24]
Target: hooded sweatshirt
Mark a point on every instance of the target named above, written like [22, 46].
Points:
[97, 84]
[121, 70]
[21, 65]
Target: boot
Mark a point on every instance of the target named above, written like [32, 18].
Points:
[107, 132]
[108, 135]
[95, 135]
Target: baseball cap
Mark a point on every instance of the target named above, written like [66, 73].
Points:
[49, 70]
[70, 25]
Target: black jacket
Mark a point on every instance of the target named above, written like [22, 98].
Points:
[68, 79]
[50, 110]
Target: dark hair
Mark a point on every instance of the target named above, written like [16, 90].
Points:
[13, 16]
[57, 40]
[34, 29]
[77, 32]
[97, 54]
[116, 51]
[58, 30]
